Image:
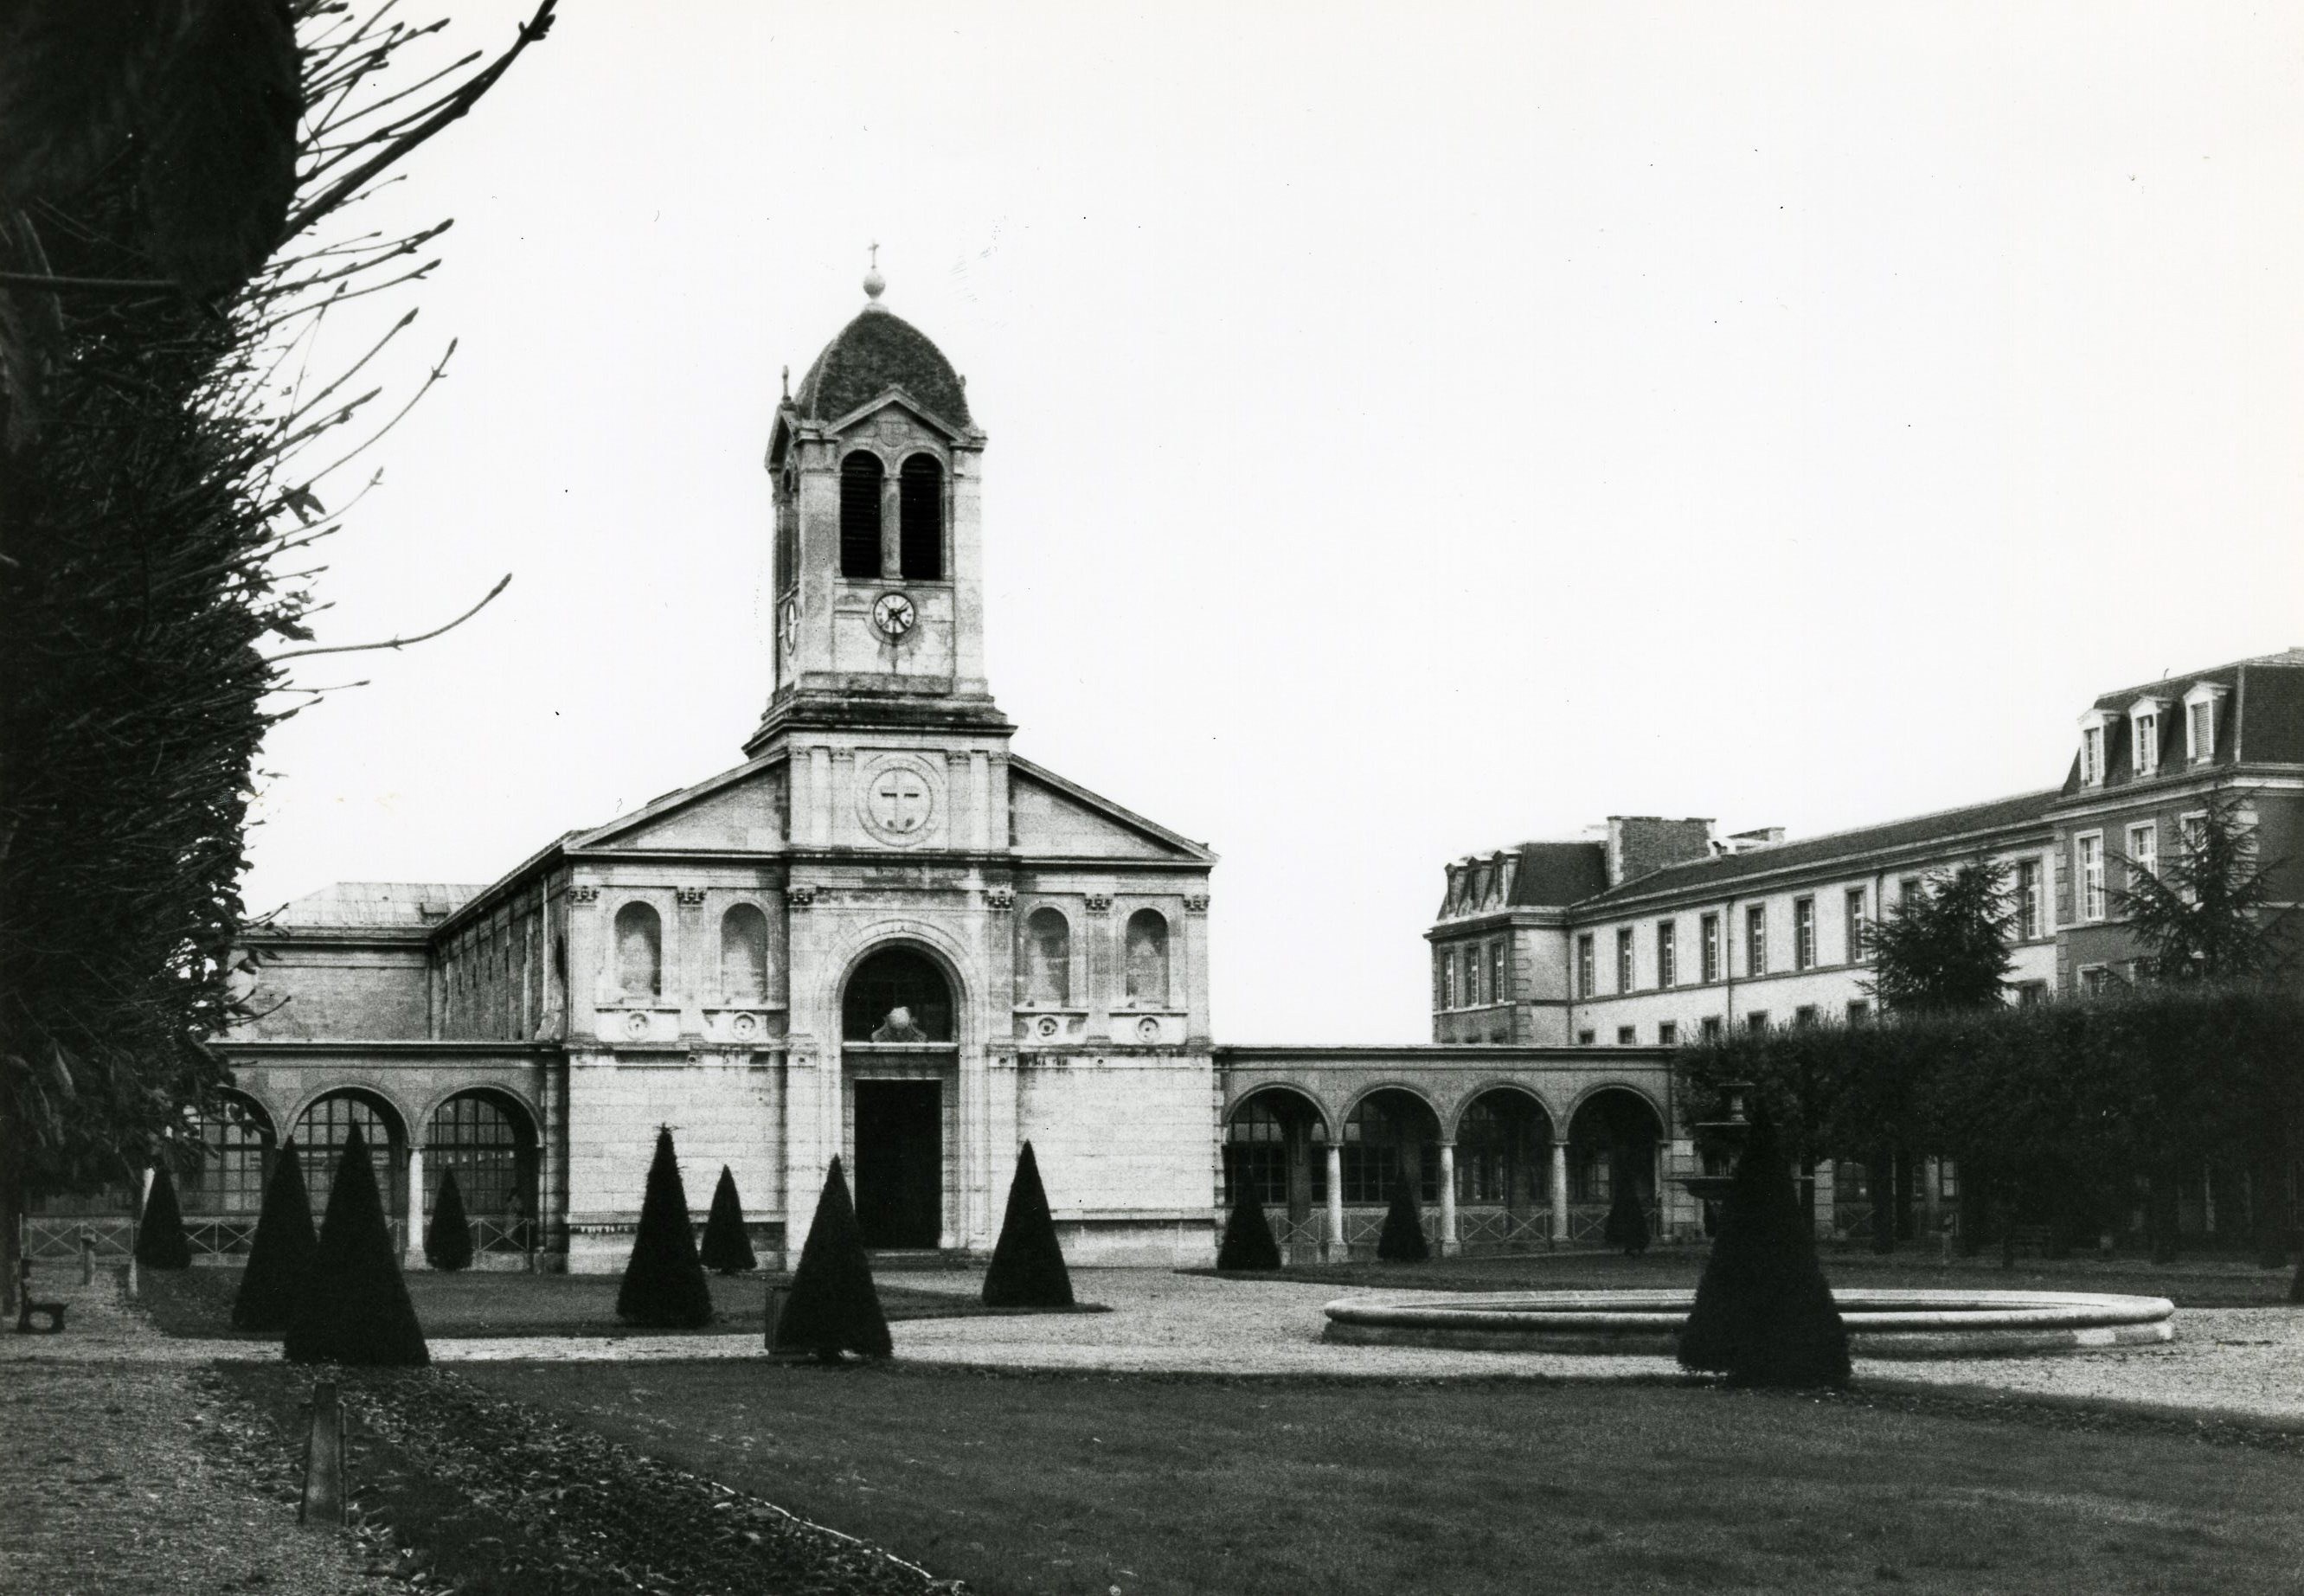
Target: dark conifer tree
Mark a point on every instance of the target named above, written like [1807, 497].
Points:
[1402, 1237]
[663, 1281]
[833, 1306]
[354, 1307]
[727, 1249]
[1628, 1223]
[1248, 1241]
[1764, 1316]
[160, 1239]
[1027, 1264]
[448, 1239]
[282, 1254]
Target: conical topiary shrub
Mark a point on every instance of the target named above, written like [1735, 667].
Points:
[663, 1281]
[1764, 1316]
[832, 1307]
[727, 1249]
[282, 1254]
[1247, 1242]
[354, 1306]
[1627, 1227]
[1027, 1264]
[160, 1239]
[448, 1239]
[1402, 1237]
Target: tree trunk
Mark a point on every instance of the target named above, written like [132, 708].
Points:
[12, 1236]
[1880, 1176]
[2160, 1213]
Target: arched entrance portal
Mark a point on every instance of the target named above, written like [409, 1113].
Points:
[901, 1066]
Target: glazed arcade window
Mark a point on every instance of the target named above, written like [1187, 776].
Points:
[859, 516]
[1625, 959]
[1755, 939]
[920, 520]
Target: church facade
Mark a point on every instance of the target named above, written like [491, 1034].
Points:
[884, 937]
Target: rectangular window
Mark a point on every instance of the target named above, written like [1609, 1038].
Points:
[1440, 980]
[2143, 851]
[1625, 959]
[1708, 934]
[2145, 736]
[2088, 863]
[1668, 1034]
[1498, 991]
[1804, 1017]
[2028, 899]
[1448, 978]
[1627, 1035]
[1586, 1038]
[2200, 730]
[2029, 993]
[2094, 979]
[1711, 1028]
[1471, 977]
[1852, 915]
[1667, 954]
[1858, 1011]
[1947, 1178]
[1907, 889]
[1803, 934]
[2091, 755]
[1755, 939]
[1757, 1020]
[1584, 966]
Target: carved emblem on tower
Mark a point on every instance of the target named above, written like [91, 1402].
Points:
[897, 799]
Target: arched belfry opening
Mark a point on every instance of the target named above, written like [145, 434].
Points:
[919, 502]
[896, 1025]
[859, 516]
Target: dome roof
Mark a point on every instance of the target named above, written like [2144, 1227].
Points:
[872, 354]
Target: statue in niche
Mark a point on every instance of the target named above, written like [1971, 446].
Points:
[898, 1027]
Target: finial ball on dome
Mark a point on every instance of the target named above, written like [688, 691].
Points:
[875, 284]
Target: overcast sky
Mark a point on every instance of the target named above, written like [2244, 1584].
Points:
[1413, 428]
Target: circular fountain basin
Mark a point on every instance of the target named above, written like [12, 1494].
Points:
[1882, 1323]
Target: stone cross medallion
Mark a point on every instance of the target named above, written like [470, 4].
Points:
[899, 803]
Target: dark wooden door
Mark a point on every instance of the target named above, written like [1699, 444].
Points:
[900, 1163]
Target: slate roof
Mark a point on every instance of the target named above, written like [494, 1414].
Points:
[372, 905]
[2260, 721]
[872, 354]
[1921, 831]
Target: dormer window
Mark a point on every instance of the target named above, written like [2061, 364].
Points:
[2094, 726]
[2144, 736]
[2200, 721]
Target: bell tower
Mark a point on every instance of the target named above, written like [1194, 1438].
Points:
[877, 571]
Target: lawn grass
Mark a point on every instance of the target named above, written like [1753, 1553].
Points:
[198, 1303]
[1049, 1483]
[2202, 1283]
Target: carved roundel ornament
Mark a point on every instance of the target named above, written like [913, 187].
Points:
[893, 614]
[896, 801]
[746, 1027]
[636, 1026]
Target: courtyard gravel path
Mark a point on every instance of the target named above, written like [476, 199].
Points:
[2244, 1361]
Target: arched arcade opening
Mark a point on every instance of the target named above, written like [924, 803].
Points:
[1276, 1142]
[1615, 1135]
[324, 1125]
[488, 1139]
[1504, 1159]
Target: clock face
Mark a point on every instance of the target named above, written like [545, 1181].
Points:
[893, 614]
[791, 625]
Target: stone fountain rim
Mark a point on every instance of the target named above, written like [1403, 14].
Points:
[1867, 1311]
